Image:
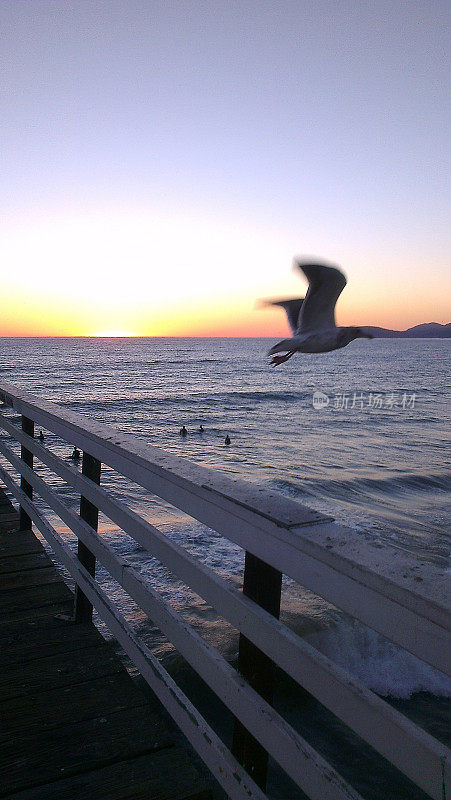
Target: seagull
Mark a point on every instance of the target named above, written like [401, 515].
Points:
[312, 319]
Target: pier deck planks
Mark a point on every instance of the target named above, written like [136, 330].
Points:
[74, 725]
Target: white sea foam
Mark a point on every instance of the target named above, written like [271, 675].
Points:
[377, 663]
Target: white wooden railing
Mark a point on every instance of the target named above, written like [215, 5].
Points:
[400, 598]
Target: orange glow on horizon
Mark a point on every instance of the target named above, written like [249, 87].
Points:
[239, 320]
[119, 275]
[114, 335]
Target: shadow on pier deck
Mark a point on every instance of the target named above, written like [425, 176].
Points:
[74, 725]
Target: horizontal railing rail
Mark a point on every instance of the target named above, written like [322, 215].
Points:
[277, 531]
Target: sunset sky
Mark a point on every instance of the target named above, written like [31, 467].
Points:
[164, 161]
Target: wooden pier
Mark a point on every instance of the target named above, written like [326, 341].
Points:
[74, 726]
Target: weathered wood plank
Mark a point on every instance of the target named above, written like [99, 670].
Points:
[64, 607]
[19, 543]
[164, 775]
[23, 562]
[60, 670]
[4, 499]
[40, 637]
[9, 517]
[51, 755]
[50, 709]
[8, 511]
[9, 522]
[16, 601]
[20, 535]
[29, 578]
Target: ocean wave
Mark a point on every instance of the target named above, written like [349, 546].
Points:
[265, 395]
[371, 659]
[390, 485]
[169, 400]
[377, 663]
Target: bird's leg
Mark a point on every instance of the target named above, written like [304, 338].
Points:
[276, 360]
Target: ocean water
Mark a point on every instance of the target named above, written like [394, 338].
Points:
[361, 434]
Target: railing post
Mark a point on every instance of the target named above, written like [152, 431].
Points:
[89, 513]
[262, 583]
[27, 458]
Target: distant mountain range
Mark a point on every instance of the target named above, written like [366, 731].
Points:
[428, 330]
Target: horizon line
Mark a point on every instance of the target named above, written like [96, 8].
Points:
[189, 336]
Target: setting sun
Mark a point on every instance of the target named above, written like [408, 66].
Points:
[113, 335]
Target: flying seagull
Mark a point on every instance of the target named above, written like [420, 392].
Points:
[312, 320]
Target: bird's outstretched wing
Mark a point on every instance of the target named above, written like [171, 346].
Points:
[325, 286]
[292, 307]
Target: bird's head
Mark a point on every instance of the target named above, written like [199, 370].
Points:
[347, 335]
